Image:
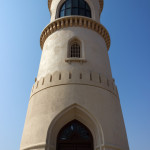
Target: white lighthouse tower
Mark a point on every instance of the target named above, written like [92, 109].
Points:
[74, 103]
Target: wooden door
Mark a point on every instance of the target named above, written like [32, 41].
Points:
[74, 136]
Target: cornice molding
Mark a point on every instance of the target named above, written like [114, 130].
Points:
[101, 4]
[74, 78]
[75, 21]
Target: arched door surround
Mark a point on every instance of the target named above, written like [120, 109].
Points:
[74, 112]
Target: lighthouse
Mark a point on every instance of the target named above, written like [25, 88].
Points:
[74, 102]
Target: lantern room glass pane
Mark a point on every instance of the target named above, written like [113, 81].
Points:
[68, 4]
[81, 12]
[63, 7]
[74, 3]
[68, 12]
[75, 11]
[62, 13]
[75, 7]
[88, 13]
[81, 4]
[87, 7]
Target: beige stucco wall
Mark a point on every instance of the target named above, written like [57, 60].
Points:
[94, 5]
[82, 90]
[45, 105]
[55, 91]
[55, 52]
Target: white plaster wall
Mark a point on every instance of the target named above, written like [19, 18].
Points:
[94, 5]
[55, 52]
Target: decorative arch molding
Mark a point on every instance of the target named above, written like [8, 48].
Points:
[79, 113]
[89, 3]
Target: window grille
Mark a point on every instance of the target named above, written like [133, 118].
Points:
[75, 50]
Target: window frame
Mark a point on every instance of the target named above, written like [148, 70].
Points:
[80, 59]
[86, 10]
[70, 55]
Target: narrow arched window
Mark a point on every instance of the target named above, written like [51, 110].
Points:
[75, 49]
[75, 7]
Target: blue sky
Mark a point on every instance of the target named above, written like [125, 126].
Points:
[21, 24]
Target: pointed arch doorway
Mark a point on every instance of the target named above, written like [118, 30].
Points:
[74, 136]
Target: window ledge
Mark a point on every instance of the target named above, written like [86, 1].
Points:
[80, 60]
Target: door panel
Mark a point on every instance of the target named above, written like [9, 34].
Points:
[74, 136]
